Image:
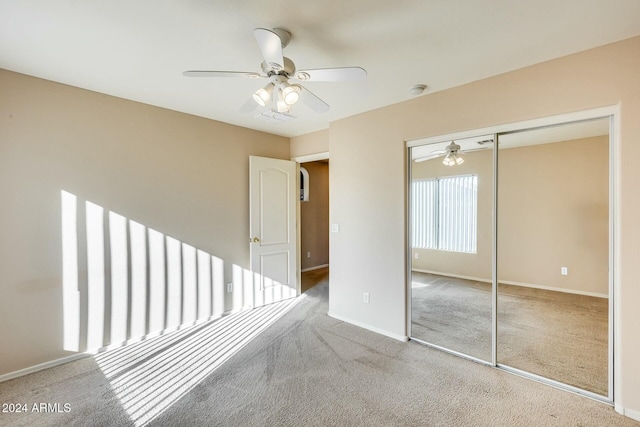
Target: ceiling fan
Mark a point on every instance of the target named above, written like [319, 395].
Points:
[279, 94]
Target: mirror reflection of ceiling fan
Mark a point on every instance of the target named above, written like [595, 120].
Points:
[280, 94]
[452, 153]
[508, 140]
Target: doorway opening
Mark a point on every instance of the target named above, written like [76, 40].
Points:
[314, 222]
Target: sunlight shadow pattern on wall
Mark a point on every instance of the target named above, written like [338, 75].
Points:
[124, 282]
[150, 376]
[70, 292]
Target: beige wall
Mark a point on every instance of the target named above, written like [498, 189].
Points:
[553, 213]
[314, 217]
[312, 143]
[183, 176]
[368, 174]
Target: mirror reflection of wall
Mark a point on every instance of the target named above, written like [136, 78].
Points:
[452, 247]
[553, 253]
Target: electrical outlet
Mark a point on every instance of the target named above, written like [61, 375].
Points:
[415, 255]
[365, 298]
[308, 254]
[230, 287]
[564, 271]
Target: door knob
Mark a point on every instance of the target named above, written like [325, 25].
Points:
[255, 240]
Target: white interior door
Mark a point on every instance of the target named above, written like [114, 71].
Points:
[273, 229]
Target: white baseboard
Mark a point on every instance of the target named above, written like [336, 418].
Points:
[507, 282]
[551, 288]
[369, 327]
[317, 267]
[457, 276]
[629, 413]
[42, 366]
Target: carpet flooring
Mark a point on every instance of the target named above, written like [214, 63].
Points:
[306, 369]
[552, 334]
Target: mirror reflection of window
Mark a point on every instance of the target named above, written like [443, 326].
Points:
[445, 213]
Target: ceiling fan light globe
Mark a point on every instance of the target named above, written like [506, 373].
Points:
[258, 100]
[291, 98]
[261, 96]
[459, 160]
[291, 94]
[282, 107]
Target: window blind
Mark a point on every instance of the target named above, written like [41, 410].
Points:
[444, 213]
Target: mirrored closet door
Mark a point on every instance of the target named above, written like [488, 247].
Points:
[553, 253]
[451, 245]
[510, 252]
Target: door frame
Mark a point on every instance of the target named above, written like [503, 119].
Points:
[613, 113]
[299, 160]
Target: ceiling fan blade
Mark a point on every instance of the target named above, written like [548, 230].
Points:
[344, 74]
[440, 153]
[271, 47]
[312, 101]
[204, 73]
[471, 150]
[425, 158]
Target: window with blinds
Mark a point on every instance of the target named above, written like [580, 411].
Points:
[445, 213]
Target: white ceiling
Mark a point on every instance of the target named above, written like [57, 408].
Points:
[138, 49]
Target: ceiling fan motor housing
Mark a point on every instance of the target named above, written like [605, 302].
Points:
[287, 70]
[452, 148]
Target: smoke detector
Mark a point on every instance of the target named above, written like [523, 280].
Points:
[417, 89]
